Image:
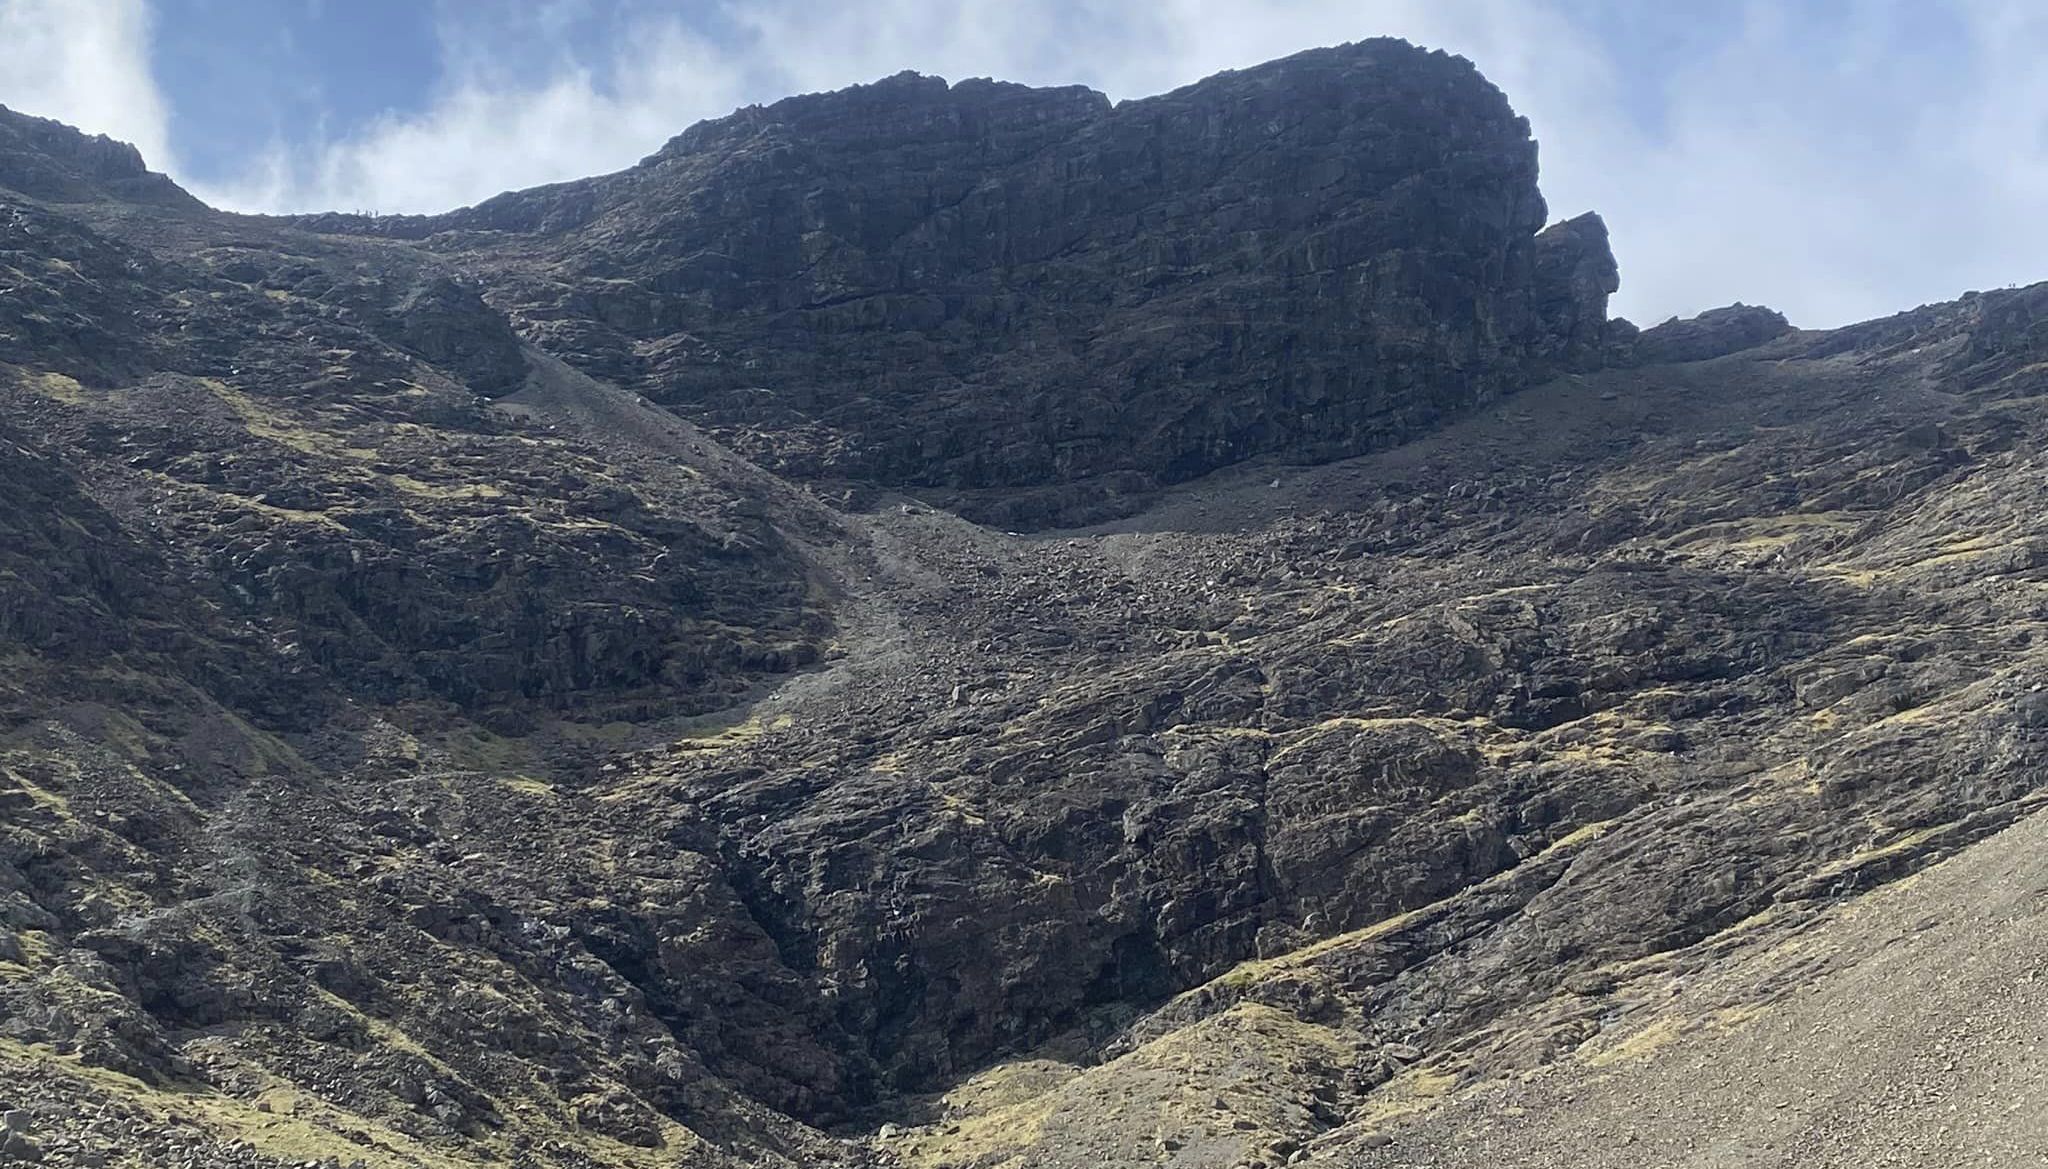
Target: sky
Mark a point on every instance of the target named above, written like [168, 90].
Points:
[1835, 159]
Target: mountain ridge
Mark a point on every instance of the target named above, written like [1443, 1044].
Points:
[842, 228]
[422, 746]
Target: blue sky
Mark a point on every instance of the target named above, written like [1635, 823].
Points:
[1838, 159]
[242, 75]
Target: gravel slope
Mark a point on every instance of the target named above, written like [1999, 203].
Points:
[1908, 1028]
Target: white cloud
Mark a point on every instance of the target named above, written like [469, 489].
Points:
[481, 137]
[85, 62]
[1835, 161]
[1823, 169]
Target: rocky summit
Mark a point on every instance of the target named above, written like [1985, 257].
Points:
[974, 626]
[1036, 308]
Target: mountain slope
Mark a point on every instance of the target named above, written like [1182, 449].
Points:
[1903, 1029]
[424, 746]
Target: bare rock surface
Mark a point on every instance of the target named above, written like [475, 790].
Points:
[1039, 307]
[530, 686]
[1714, 333]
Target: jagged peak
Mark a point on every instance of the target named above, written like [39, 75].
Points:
[910, 90]
[1350, 56]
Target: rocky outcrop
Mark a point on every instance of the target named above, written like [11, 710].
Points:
[1714, 333]
[1041, 306]
[46, 159]
[264, 456]
[1984, 337]
[77, 303]
[451, 327]
[1575, 274]
[68, 580]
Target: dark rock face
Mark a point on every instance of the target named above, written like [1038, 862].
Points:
[1714, 333]
[63, 589]
[451, 327]
[1031, 302]
[1575, 274]
[45, 159]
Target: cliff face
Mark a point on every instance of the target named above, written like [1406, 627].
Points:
[1039, 307]
[46, 159]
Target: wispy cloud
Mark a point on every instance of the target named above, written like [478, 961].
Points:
[85, 62]
[1837, 161]
[485, 134]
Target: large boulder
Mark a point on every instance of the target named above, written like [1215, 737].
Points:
[453, 328]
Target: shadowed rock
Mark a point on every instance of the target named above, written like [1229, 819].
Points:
[1042, 306]
[1714, 333]
[47, 159]
[1575, 274]
[451, 327]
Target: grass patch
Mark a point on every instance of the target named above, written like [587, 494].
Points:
[1415, 1090]
[311, 1131]
[1647, 1039]
[962, 809]
[54, 385]
[1247, 973]
[412, 486]
[1308, 735]
[1239, 1071]
[1583, 835]
[993, 1137]
[733, 735]
[1760, 535]
[1901, 846]
[262, 422]
[1663, 1033]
